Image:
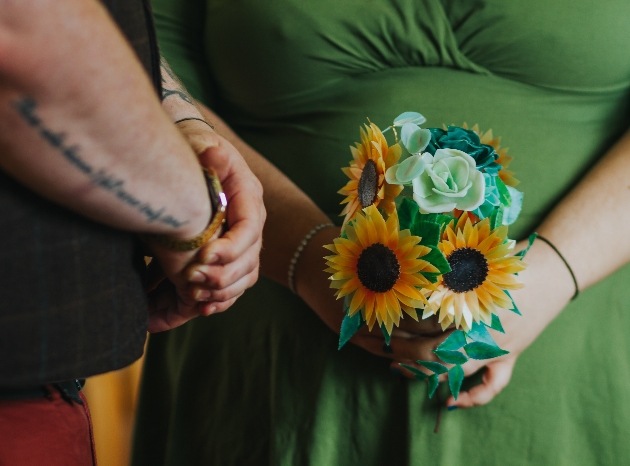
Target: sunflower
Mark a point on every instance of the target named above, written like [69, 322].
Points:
[507, 176]
[482, 269]
[380, 269]
[367, 185]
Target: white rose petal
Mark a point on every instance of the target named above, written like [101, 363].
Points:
[449, 180]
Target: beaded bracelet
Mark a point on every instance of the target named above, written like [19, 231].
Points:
[300, 249]
[577, 288]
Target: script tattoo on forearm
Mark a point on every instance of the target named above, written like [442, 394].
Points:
[27, 109]
[173, 85]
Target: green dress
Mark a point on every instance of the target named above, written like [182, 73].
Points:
[264, 383]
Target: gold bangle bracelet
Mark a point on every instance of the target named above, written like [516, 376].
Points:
[219, 206]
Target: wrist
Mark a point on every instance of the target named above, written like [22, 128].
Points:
[547, 263]
[185, 241]
[308, 255]
[195, 119]
[565, 262]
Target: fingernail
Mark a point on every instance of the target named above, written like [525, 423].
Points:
[212, 310]
[197, 277]
[451, 408]
[202, 295]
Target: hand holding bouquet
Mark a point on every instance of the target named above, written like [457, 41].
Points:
[442, 252]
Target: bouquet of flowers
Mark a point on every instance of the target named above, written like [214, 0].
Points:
[442, 252]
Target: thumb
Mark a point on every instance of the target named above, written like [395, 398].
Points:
[496, 377]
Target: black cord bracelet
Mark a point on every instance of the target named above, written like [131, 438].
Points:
[577, 288]
[194, 118]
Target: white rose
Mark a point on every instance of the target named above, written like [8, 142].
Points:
[449, 180]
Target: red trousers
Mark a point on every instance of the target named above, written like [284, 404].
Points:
[46, 431]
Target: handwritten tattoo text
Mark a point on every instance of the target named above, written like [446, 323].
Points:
[27, 109]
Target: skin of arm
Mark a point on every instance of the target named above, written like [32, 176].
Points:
[283, 232]
[548, 285]
[232, 259]
[89, 133]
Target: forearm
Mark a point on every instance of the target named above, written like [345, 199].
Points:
[591, 225]
[81, 123]
[290, 212]
[176, 100]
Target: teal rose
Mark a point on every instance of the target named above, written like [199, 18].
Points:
[466, 141]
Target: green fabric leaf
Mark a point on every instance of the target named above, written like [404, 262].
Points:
[512, 211]
[349, 327]
[437, 258]
[386, 335]
[478, 350]
[530, 241]
[504, 193]
[428, 231]
[454, 341]
[455, 379]
[417, 373]
[409, 117]
[496, 324]
[479, 332]
[433, 366]
[414, 138]
[407, 212]
[404, 172]
[514, 308]
[433, 384]
[496, 217]
[451, 357]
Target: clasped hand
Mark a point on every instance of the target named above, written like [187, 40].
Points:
[210, 279]
[540, 300]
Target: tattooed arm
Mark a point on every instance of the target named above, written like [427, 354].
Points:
[80, 124]
[231, 262]
[176, 100]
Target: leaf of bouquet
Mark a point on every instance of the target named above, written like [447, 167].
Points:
[496, 324]
[407, 212]
[514, 308]
[434, 366]
[414, 138]
[386, 335]
[496, 218]
[409, 117]
[439, 261]
[349, 326]
[433, 384]
[428, 231]
[455, 379]
[530, 241]
[504, 193]
[478, 350]
[451, 357]
[455, 341]
[479, 332]
[417, 373]
[514, 209]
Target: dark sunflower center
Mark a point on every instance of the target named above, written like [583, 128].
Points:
[368, 184]
[378, 268]
[469, 269]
